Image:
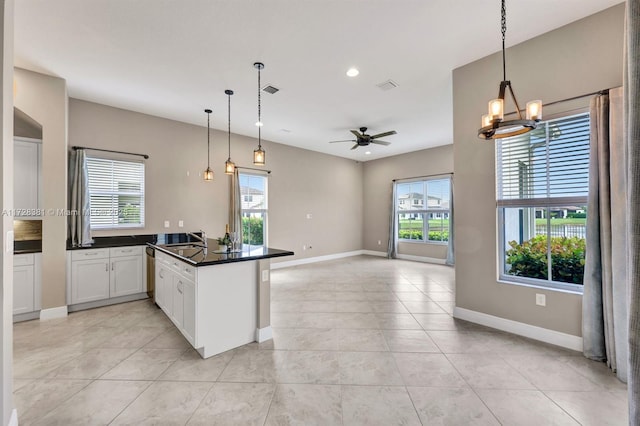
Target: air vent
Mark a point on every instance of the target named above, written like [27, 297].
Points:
[270, 89]
[387, 85]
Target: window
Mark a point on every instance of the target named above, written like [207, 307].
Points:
[419, 221]
[542, 189]
[116, 193]
[253, 189]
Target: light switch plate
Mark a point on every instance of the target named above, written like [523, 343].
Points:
[181, 224]
[265, 275]
[9, 248]
[541, 299]
[166, 224]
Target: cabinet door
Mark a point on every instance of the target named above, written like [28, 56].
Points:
[126, 276]
[26, 173]
[23, 286]
[89, 280]
[163, 277]
[189, 312]
[178, 301]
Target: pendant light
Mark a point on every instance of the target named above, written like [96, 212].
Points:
[229, 167]
[493, 124]
[208, 174]
[259, 154]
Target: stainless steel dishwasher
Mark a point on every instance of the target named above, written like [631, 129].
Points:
[151, 272]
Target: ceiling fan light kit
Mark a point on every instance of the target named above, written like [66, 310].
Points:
[494, 126]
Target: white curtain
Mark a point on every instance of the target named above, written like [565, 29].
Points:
[235, 205]
[631, 130]
[392, 247]
[451, 258]
[79, 202]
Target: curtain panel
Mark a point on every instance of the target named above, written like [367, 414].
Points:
[392, 247]
[235, 205]
[79, 201]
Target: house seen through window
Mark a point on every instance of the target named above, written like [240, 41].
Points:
[253, 190]
[423, 210]
[116, 193]
[542, 189]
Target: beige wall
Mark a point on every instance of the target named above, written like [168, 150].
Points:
[24, 126]
[44, 99]
[378, 176]
[301, 182]
[6, 189]
[580, 58]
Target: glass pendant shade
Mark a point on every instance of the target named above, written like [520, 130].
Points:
[496, 109]
[208, 174]
[259, 156]
[534, 110]
[229, 167]
[486, 120]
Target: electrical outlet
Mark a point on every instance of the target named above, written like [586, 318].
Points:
[309, 216]
[167, 224]
[379, 242]
[304, 248]
[541, 299]
[265, 275]
[181, 224]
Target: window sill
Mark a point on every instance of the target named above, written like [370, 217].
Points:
[559, 287]
[437, 243]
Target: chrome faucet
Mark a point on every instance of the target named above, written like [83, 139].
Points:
[202, 239]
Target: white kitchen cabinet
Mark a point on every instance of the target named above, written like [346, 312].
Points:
[126, 275]
[178, 300]
[103, 274]
[89, 276]
[27, 286]
[27, 181]
[189, 311]
[163, 286]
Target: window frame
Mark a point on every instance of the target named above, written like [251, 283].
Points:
[425, 211]
[142, 193]
[264, 211]
[532, 203]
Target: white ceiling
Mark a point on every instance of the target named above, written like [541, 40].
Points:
[173, 58]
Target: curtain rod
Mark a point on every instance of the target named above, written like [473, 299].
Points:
[108, 150]
[598, 92]
[258, 170]
[426, 176]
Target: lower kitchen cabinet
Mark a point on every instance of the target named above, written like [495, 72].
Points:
[103, 274]
[27, 288]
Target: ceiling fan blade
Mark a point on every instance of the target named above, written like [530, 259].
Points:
[382, 135]
[385, 143]
[346, 140]
[356, 134]
[355, 146]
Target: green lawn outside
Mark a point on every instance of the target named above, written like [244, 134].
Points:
[417, 223]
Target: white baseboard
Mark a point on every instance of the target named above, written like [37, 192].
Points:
[527, 330]
[13, 420]
[375, 253]
[422, 259]
[51, 313]
[315, 259]
[264, 334]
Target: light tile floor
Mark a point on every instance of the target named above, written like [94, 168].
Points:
[359, 341]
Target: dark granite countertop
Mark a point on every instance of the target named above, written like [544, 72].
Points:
[134, 240]
[26, 247]
[206, 257]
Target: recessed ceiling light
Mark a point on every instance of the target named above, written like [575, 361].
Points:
[367, 153]
[352, 72]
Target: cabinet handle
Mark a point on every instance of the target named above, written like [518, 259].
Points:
[106, 267]
[126, 251]
[91, 254]
[160, 274]
[180, 287]
[112, 263]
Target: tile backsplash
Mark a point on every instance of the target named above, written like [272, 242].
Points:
[27, 230]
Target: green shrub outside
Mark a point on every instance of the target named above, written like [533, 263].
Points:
[529, 259]
[416, 234]
[577, 215]
[252, 231]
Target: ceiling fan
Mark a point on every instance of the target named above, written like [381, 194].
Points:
[362, 139]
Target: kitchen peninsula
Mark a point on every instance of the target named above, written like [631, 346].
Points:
[218, 301]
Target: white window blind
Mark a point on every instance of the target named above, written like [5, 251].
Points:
[547, 166]
[116, 191]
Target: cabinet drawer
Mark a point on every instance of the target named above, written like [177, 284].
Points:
[189, 271]
[23, 259]
[90, 254]
[125, 251]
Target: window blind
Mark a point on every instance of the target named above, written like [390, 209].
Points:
[549, 165]
[116, 192]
